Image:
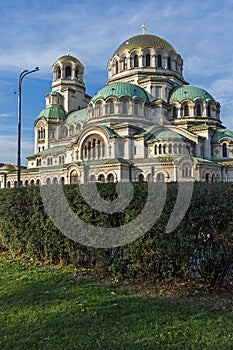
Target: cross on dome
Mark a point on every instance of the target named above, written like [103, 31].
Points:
[68, 52]
[144, 28]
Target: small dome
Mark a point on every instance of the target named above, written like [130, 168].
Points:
[52, 112]
[189, 92]
[66, 58]
[119, 90]
[143, 41]
[7, 168]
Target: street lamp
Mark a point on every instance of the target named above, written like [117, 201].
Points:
[22, 75]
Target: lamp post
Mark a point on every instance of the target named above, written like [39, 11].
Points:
[22, 75]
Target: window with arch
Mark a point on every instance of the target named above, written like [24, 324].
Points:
[59, 73]
[186, 110]
[155, 149]
[124, 106]
[169, 62]
[170, 148]
[76, 73]
[147, 60]
[74, 177]
[110, 178]
[160, 177]
[64, 131]
[224, 150]
[198, 110]
[101, 178]
[38, 182]
[140, 178]
[92, 178]
[135, 61]
[93, 148]
[116, 67]
[186, 171]
[68, 72]
[48, 181]
[174, 112]
[208, 111]
[125, 63]
[207, 177]
[160, 149]
[159, 61]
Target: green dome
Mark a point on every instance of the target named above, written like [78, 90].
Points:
[189, 92]
[143, 41]
[119, 90]
[52, 112]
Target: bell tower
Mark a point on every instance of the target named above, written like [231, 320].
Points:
[68, 74]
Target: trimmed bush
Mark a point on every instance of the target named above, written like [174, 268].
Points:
[202, 244]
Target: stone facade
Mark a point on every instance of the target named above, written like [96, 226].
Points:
[146, 124]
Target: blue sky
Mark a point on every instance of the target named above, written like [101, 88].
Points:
[37, 33]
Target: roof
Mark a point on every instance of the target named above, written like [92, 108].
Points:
[109, 131]
[189, 92]
[53, 112]
[48, 151]
[76, 116]
[222, 134]
[142, 41]
[164, 135]
[120, 89]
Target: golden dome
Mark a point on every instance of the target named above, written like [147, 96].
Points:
[143, 41]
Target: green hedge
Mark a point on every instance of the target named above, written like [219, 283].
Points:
[201, 245]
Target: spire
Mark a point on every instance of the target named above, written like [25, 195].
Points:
[144, 28]
[68, 52]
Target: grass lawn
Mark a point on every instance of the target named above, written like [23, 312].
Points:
[53, 308]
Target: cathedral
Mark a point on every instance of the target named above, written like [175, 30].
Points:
[147, 124]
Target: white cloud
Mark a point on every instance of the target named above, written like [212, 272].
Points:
[10, 147]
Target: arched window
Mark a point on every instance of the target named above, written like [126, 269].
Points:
[224, 150]
[186, 110]
[147, 60]
[159, 61]
[170, 148]
[207, 177]
[208, 111]
[76, 73]
[74, 177]
[92, 178]
[135, 61]
[101, 178]
[198, 110]
[48, 181]
[174, 112]
[140, 178]
[125, 65]
[59, 73]
[111, 107]
[169, 62]
[155, 149]
[110, 178]
[135, 108]
[62, 180]
[124, 107]
[116, 67]
[165, 149]
[160, 177]
[38, 182]
[68, 72]
[160, 149]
